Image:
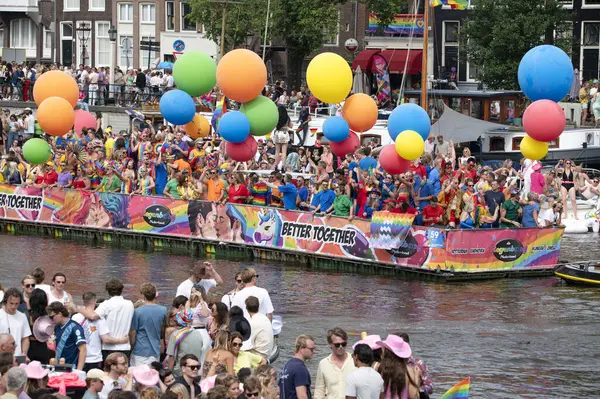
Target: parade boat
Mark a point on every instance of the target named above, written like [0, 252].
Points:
[583, 273]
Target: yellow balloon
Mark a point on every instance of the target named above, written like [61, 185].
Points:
[533, 149]
[329, 78]
[410, 145]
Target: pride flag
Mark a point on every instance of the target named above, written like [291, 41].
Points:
[455, 4]
[389, 230]
[459, 391]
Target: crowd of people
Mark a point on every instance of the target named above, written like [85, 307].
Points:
[202, 345]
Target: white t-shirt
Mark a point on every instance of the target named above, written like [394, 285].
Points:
[169, 80]
[15, 325]
[261, 336]
[264, 300]
[30, 124]
[117, 312]
[63, 299]
[185, 288]
[43, 287]
[364, 383]
[546, 215]
[109, 386]
[93, 331]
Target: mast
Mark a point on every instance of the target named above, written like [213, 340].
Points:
[424, 64]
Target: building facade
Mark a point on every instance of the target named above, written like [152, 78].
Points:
[26, 25]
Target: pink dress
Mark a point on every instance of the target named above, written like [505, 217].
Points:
[537, 182]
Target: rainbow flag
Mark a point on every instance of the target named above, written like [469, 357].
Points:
[454, 4]
[459, 391]
[389, 230]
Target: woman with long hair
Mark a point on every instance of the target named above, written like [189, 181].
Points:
[38, 302]
[233, 386]
[219, 359]
[568, 190]
[81, 181]
[180, 390]
[400, 380]
[219, 319]
[242, 359]
[281, 137]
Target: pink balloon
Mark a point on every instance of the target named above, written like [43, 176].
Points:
[544, 120]
[84, 119]
[342, 148]
[391, 162]
[244, 151]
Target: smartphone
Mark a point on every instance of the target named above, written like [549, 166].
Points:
[21, 359]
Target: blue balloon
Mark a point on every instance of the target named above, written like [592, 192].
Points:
[177, 107]
[546, 73]
[234, 127]
[409, 117]
[336, 129]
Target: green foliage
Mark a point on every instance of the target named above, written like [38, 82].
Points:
[385, 10]
[497, 33]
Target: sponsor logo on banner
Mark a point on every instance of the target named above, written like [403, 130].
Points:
[508, 250]
[158, 216]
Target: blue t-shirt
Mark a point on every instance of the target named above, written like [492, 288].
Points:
[303, 194]
[183, 145]
[528, 220]
[425, 191]
[70, 350]
[147, 322]
[293, 374]
[434, 179]
[367, 163]
[290, 193]
[351, 167]
[325, 199]
[161, 177]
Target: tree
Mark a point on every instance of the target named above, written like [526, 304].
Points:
[498, 33]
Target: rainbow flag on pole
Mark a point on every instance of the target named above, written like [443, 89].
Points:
[459, 391]
[454, 4]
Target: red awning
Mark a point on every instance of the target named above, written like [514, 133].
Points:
[395, 59]
[364, 59]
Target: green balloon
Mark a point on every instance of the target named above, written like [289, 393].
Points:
[263, 115]
[195, 73]
[36, 151]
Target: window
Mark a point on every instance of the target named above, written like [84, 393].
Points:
[170, 14]
[451, 32]
[125, 12]
[97, 5]
[71, 5]
[67, 30]
[566, 3]
[347, 29]
[590, 4]
[185, 23]
[148, 13]
[125, 51]
[47, 39]
[22, 33]
[146, 57]
[102, 44]
[590, 50]
[332, 39]
[464, 71]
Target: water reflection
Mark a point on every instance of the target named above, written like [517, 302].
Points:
[516, 338]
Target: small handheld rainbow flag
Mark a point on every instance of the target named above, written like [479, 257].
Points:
[459, 391]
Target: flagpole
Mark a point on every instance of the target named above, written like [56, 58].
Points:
[425, 54]
[266, 30]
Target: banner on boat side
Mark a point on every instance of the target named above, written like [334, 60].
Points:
[405, 245]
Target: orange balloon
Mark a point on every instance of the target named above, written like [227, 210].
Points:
[56, 116]
[241, 75]
[360, 111]
[199, 127]
[56, 84]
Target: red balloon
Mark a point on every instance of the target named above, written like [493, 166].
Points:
[244, 151]
[544, 120]
[391, 162]
[342, 148]
[84, 119]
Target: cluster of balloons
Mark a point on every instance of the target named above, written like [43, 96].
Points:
[409, 127]
[241, 75]
[545, 76]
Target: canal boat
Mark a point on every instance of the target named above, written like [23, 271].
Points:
[582, 273]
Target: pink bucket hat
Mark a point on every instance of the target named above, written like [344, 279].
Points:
[397, 346]
[371, 340]
[34, 370]
[146, 376]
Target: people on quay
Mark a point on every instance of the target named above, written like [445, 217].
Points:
[294, 377]
[249, 278]
[335, 368]
[185, 340]
[116, 366]
[14, 322]
[400, 380]
[94, 383]
[190, 369]
[57, 291]
[426, 387]
[364, 382]
[261, 336]
[96, 332]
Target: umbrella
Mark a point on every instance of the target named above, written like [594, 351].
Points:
[575, 86]
[165, 65]
[358, 85]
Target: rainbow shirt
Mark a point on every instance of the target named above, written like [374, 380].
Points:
[260, 192]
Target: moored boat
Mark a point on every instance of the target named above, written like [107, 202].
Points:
[583, 273]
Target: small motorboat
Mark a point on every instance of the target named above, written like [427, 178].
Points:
[582, 273]
[277, 325]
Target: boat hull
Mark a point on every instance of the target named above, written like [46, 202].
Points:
[587, 274]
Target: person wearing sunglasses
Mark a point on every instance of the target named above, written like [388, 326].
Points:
[190, 368]
[252, 388]
[330, 383]
[242, 359]
[294, 378]
[249, 278]
[28, 284]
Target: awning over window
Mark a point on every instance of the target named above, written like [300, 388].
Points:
[395, 60]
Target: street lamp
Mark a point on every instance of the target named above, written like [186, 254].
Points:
[83, 33]
[112, 36]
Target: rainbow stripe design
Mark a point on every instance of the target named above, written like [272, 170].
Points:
[459, 391]
[388, 230]
[454, 4]
[404, 24]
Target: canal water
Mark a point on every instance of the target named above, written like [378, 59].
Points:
[528, 338]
